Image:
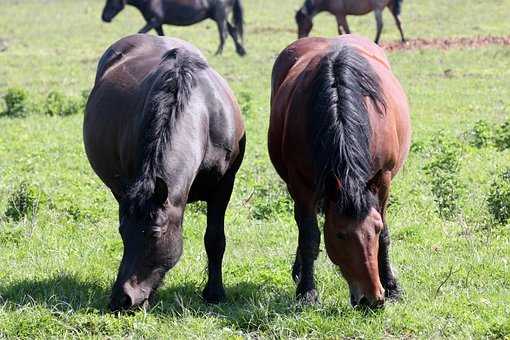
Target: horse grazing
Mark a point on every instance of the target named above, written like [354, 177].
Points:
[341, 8]
[339, 132]
[185, 13]
[162, 129]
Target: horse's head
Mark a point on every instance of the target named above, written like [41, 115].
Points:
[353, 245]
[304, 22]
[112, 8]
[152, 240]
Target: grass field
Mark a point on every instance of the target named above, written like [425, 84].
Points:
[57, 265]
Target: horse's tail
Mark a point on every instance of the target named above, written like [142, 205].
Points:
[167, 98]
[397, 6]
[340, 128]
[239, 17]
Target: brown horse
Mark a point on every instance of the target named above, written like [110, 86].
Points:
[162, 129]
[339, 132]
[341, 8]
[185, 13]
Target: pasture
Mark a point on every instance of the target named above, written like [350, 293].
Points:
[452, 255]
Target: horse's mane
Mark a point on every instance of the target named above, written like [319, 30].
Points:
[340, 128]
[169, 95]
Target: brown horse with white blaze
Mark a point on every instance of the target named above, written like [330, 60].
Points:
[341, 8]
[339, 132]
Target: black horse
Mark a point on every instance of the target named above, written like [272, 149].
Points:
[162, 129]
[185, 13]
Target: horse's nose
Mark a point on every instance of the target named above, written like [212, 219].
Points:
[120, 301]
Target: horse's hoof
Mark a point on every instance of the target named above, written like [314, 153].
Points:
[241, 51]
[310, 297]
[214, 296]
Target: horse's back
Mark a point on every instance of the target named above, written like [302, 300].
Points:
[293, 74]
[125, 75]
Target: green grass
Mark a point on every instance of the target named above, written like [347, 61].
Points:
[56, 267]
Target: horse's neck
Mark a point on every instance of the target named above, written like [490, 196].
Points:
[140, 4]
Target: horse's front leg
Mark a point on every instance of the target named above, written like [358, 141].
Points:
[386, 275]
[159, 30]
[307, 252]
[341, 21]
[153, 23]
[223, 31]
[379, 24]
[214, 239]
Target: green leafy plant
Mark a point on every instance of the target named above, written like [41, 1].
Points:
[246, 103]
[502, 138]
[57, 104]
[24, 202]
[442, 170]
[270, 200]
[16, 102]
[481, 135]
[498, 199]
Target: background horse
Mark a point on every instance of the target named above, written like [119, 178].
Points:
[162, 129]
[341, 8]
[185, 13]
[339, 132]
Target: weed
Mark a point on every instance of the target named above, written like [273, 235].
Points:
[481, 135]
[498, 198]
[57, 104]
[270, 200]
[24, 202]
[246, 103]
[443, 169]
[502, 138]
[16, 102]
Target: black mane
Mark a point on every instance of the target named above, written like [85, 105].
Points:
[340, 128]
[169, 95]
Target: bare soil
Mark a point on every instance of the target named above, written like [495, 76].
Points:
[446, 43]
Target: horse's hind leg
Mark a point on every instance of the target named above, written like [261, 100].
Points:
[233, 33]
[379, 23]
[214, 238]
[386, 275]
[307, 252]
[398, 22]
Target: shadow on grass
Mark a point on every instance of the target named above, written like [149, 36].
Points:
[59, 293]
[249, 307]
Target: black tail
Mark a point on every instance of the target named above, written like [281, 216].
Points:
[397, 5]
[169, 95]
[340, 127]
[239, 18]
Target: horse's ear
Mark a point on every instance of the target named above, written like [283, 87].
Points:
[160, 191]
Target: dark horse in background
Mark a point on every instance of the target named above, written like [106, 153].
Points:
[185, 13]
[341, 8]
[339, 132]
[162, 129]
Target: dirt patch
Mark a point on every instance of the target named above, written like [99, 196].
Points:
[446, 43]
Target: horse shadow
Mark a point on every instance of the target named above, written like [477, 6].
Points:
[62, 293]
[249, 306]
